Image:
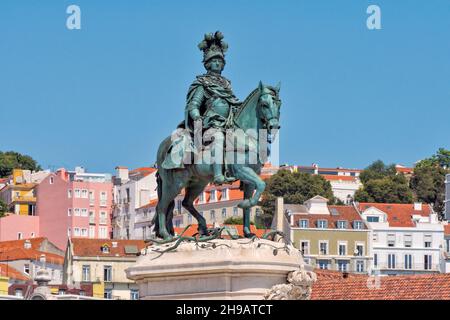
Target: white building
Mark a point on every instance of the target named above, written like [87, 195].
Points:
[406, 238]
[132, 190]
[447, 197]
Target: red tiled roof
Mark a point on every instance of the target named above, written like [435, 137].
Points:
[346, 213]
[399, 215]
[12, 254]
[144, 170]
[10, 272]
[360, 287]
[193, 229]
[93, 247]
[402, 169]
[331, 177]
[12, 244]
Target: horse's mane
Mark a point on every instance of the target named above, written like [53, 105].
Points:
[245, 102]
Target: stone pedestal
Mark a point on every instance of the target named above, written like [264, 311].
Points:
[218, 269]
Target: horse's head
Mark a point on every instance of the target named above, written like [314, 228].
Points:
[269, 105]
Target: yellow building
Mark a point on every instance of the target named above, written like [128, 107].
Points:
[329, 237]
[19, 195]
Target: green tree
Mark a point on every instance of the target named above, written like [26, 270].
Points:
[295, 188]
[235, 220]
[381, 183]
[13, 160]
[3, 208]
[428, 179]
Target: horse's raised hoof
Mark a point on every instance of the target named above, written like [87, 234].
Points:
[245, 204]
[249, 235]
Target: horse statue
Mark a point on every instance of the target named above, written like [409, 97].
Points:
[259, 113]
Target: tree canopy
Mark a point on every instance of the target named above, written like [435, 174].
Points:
[381, 183]
[3, 208]
[295, 188]
[13, 160]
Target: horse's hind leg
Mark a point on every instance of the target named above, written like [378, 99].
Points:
[193, 190]
[168, 194]
[248, 193]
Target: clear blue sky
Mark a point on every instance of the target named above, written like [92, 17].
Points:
[106, 95]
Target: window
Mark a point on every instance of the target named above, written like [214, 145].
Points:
[373, 219]
[375, 260]
[82, 293]
[104, 197]
[84, 212]
[213, 195]
[76, 212]
[61, 292]
[323, 264]
[69, 232]
[91, 231]
[189, 219]
[304, 247]
[357, 225]
[19, 235]
[69, 193]
[375, 236]
[303, 223]
[224, 213]
[391, 240]
[76, 232]
[427, 241]
[102, 232]
[86, 273]
[359, 250]
[33, 235]
[408, 261]
[52, 180]
[18, 292]
[69, 212]
[77, 193]
[134, 294]
[201, 197]
[342, 248]
[342, 265]
[84, 232]
[427, 262]
[225, 194]
[84, 194]
[391, 261]
[341, 224]
[92, 216]
[102, 217]
[91, 197]
[235, 211]
[323, 247]
[322, 224]
[359, 266]
[107, 273]
[26, 268]
[212, 215]
[407, 240]
[107, 294]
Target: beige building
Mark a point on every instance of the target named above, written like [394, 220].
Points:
[330, 237]
[102, 261]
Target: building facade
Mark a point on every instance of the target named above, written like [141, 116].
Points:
[74, 204]
[329, 237]
[103, 262]
[406, 238]
[132, 190]
[447, 197]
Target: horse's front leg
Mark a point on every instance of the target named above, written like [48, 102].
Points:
[248, 193]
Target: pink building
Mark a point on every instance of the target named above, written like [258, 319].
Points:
[17, 227]
[74, 204]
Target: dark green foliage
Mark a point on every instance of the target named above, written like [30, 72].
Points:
[13, 160]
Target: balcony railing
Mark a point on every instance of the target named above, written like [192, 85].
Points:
[23, 199]
[412, 267]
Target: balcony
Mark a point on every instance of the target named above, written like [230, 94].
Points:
[24, 199]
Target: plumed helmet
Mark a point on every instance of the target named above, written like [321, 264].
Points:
[213, 46]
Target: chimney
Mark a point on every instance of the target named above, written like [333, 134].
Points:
[279, 212]
[417, 206]
[122, 173]
[114, 244]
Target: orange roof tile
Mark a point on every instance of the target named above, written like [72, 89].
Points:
[35, 243]
[360, 287]
[399, 215]
[12, 254]
[447, 229]
[193, 229]
[10, 272]
[93, 247]
[331, 177]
